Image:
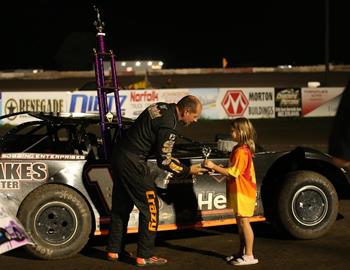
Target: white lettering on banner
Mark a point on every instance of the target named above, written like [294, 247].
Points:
[145, 96]
[281, 112]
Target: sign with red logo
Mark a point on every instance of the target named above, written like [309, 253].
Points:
[235, 103]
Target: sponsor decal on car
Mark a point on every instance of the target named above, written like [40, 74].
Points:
[41, 156]
[154, 111]
[11, 173]
[151, 199]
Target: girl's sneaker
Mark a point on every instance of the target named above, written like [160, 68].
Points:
[150, 261]
[245, 260]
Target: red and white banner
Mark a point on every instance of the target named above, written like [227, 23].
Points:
[247, 102]
[320, 102]
[138, 100]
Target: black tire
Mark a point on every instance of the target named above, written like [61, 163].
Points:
[307, 205]
[57, 219]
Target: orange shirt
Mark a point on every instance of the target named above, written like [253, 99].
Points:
[241, 183]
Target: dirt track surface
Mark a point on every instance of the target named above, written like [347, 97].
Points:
[206, 248]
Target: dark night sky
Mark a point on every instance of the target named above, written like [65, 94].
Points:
[59, 35]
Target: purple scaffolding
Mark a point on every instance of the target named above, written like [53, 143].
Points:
[106, 118]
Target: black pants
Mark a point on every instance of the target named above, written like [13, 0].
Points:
[133, 186]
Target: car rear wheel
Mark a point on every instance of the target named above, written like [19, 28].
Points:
[57, 219]
[307, 204]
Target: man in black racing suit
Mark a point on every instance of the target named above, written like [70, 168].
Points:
[153, 131]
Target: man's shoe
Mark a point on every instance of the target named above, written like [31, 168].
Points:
[150, 261]
[113, 256]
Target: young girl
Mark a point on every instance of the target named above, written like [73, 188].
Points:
[241, 187]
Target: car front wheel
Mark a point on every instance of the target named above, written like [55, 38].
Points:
[307, 204]
[57, 219]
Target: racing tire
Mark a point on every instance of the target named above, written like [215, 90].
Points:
[307, 205]
[57, 219]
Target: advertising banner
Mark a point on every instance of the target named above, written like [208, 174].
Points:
[320, 102]
[87, 101]
[246, 102]
[13, 102]
[132, 102]
[218, 103]
[288, 102]
[209, 98]
[138, 100]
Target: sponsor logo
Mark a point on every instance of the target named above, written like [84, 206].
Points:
[211, 200]
[235, 103]
[33, 105]
[89, 103]
[154, 111]
[11, 173]
[41, 156]
[136, 96]
[151, 199]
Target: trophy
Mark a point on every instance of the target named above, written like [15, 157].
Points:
[206, 150]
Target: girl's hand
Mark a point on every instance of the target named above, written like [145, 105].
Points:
[209, 164]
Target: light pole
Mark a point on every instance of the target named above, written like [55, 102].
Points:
[326, 42]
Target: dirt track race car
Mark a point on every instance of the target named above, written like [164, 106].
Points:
[55, 176]
[56, 181]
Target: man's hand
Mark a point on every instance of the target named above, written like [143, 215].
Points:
[196, 169]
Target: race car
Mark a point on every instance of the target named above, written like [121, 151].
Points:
[53, 170]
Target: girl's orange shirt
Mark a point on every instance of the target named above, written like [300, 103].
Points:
[241, 183]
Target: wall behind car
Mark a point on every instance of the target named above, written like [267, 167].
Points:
[218, 103]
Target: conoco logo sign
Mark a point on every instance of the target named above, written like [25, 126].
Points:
[235, 103]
